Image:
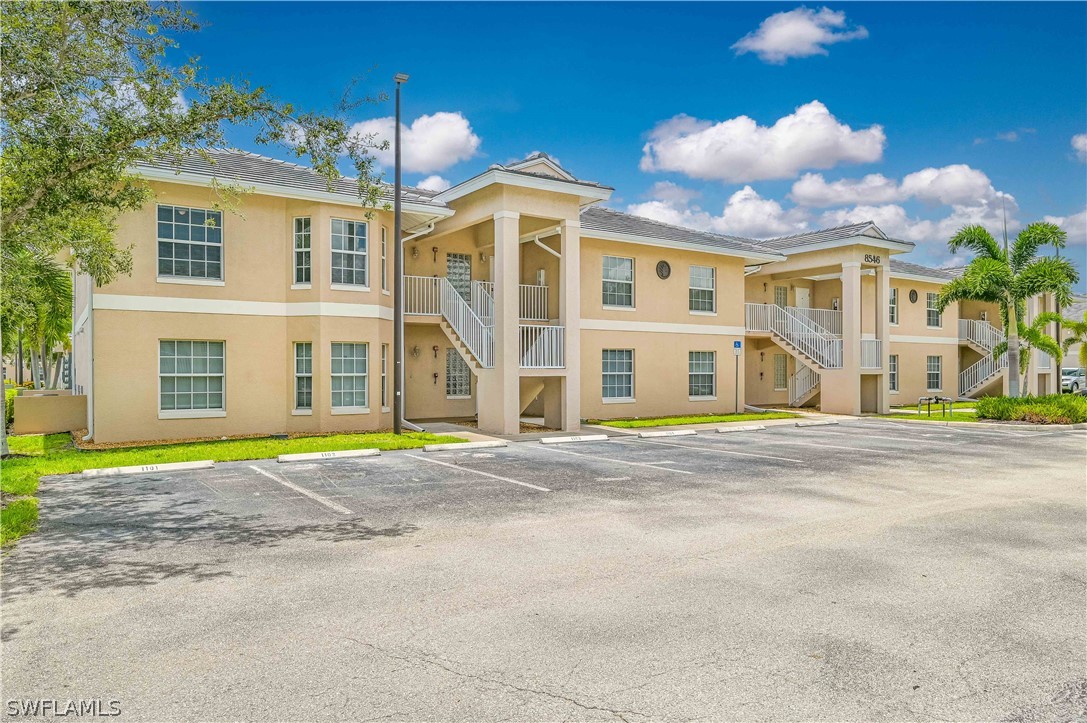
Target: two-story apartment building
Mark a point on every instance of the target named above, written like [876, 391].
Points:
[522, 294]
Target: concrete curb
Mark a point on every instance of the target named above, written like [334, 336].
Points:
[575, 438]
[668, 433]
[148, 468]
[820, 423]
[986, 425]
[308, 456]
[465, 445]
[749, 428]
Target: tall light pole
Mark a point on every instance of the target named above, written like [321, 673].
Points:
[398, 279]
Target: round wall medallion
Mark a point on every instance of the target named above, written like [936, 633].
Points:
[913, 296]
[663, 269]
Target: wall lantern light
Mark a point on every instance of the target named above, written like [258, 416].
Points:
[415, 352]
[435, 347]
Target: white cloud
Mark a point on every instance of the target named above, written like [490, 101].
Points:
[668, 191]
[746, 214]
[739, 150]
[1011, 136]
[1076, 228]
[434, 183]
[952, 185]
[1079, 145]
[431, 143]
[798, 33]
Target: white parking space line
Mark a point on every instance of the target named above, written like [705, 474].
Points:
[619, 461]
[827, 446]
[479, 472]
[984, 432]
[724, 451]
[837, 433]
[303, 491]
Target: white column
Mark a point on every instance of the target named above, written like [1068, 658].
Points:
[570, 317]
[883, 329]
[499, 388]
[840, 389]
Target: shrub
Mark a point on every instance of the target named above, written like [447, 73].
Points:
[9, 406]
[1051, 409]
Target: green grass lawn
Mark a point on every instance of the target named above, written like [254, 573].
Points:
[692, 419]
[55, 454]
[936, 417]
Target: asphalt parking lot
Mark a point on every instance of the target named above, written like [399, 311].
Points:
[872, 570]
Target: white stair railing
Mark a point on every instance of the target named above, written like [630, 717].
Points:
[978, 373]
[980, 333]
[542, 347]
[828, 319]
[816, 343]
[801, 383]
[478, 337]
[482, 301]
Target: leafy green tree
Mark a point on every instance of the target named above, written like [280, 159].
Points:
[1008, 276]
[1076, 333]
[1033, 336]
[91, 88]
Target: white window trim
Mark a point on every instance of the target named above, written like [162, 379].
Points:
[365, 287]
[349, 410]
[701, 399]
[702, 313]
[385, 260]
[941, 372]
[185, 413]
[897, 373]
[713, 374]
[338, 411]
[301, 287]
[193, 413]
[452, 397]
[383, 383]
[301, 412]
[928, 325]
[294, 401]
[897, 307]
[189, 282]
[294, 254]
[712, 290]
[633, 278]
[168, 279]
[618, 400]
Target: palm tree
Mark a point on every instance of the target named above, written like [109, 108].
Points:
[1076, 334]
[1034, 337]
[1008, 277]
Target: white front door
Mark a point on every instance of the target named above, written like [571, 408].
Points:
[803, 298]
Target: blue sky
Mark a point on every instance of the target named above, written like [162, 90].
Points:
[956, 107]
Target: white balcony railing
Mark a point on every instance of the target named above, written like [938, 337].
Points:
[423, 295]
[871, 354]
[542, 347]
[828, 319]
[533, 302]
[815, 342]
[757, 317]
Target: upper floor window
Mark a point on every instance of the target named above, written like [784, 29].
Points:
[618, 284]
[190, 243]
[349, 252]
[302, 237]
[384, 259]
[892, 307]
[934, 317]
[702, 291]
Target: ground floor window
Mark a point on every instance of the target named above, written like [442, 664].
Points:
[458, 376]
[933, 367]
[191, 375]
[384, 357]
[781, 372]
[303, 375]
[701, 379]
[892, 372]
[349, 375]
[617, 380]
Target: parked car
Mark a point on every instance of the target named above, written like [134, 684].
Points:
[1073, 380]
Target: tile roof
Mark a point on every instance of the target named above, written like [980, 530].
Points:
[229, 164]
[905, 267]
[836, 233]
[598, 218]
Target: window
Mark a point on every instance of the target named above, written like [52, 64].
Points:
[349, 366]
[384, 375]
[781, 372]
[303, 375]
[302, 250]
[618, 374]
[701, 380]
[781, 295]
[349, 252]
[190, 243]
[384, 261]
[618, 284]
[892, 307]
[702, 296]
[892, 372]
[935, 318]
[191, 375]
[934, 377]
[458, 377]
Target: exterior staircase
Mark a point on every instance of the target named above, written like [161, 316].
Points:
[436, 296]
[811, 344]
[803, 385]
[982, 337]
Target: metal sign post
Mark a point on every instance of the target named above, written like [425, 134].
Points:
[737, 349]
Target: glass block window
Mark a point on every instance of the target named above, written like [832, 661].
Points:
[701, 380]
[303, 375]
[190, 243]
[702, 293]
[349, 252]
[934, 373]
[302, 250]
[892, 372]
[618, 373]
[935, 318]
[892, 307]
[191, 375]
[618, 285]
[458, 376]
[349, 372]
[781, 295]
[781, 372]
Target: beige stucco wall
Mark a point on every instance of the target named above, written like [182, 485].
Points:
[912, 382]
[41, 414]
[425, 398]
[760, 372]
[912, 317]
[660, 373]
